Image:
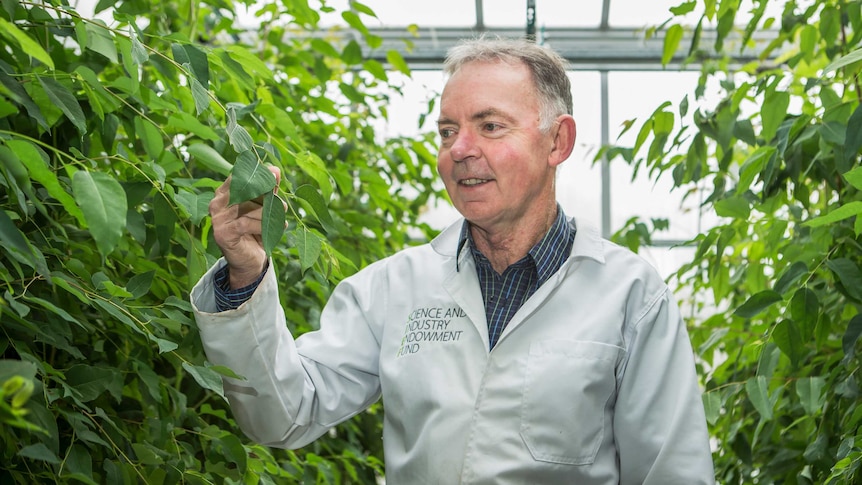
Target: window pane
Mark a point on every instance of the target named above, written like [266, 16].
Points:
[397, 13]
[579, 181]
[565, 13]
[635, 95]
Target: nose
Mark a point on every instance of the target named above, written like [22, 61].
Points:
[465, 146]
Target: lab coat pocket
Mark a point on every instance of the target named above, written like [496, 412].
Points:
[567, 385]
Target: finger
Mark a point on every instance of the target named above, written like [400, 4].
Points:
[221, 197]
[277, 173]
[250, 208]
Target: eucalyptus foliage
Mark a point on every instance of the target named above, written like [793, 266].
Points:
[113, 135]
[778, 279]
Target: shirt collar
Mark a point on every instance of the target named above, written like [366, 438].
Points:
[548, 254]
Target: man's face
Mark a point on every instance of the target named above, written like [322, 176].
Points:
[493, 159]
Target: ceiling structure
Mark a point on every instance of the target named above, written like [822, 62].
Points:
[596, 47]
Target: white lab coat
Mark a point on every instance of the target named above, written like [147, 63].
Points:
[592, 382]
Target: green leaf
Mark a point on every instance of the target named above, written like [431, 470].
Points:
[849, 274]
[37, 164]
[314, 167]
[139, 285]
[17, 246]
[735, 207]
[790, 276]
[845, 211]
[103, 201]
[752, 166]
[308, 245]
[147, 454]
[201, 97]
[272, 221]
[139, 52]
[210, 158]
[316, 202]
[854, 56]
[805, 310]
[99, 40]
[63, 98]
[181, 121]
[196, 261]
[239, 137]
[166, 345]
[788, 338]
[39, 451]
[226, 371]
[853, 135]
[206, 378]
[352, 53]
[150, 137]
[757, 303]
[854, 177]
[832, 132]
[197, 205]
[683, 8]
[360, 7]
[851, 335]
[712, 406]
[395, 59]
[758, 393]
[91, 382]
[671, 43]
[27, 44]
[354, 21]
[10, 368]
[810, 392]
[773, 112]
[250, 62]
[249, 178]
[196, 59]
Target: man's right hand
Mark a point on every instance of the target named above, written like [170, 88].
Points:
[237, 231]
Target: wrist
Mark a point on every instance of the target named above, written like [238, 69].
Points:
[241, 277]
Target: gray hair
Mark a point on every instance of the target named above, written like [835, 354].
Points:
[547, 68]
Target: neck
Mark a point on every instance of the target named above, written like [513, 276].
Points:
[505, 246]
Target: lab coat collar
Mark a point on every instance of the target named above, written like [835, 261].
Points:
[588, 243]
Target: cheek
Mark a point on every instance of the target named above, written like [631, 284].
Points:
[443, 167]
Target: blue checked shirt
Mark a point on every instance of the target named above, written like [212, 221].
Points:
[505, 293]
[228, 299]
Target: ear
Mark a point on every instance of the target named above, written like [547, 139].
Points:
[564, 134]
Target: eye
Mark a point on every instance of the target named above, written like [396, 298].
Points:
[446, 132]
[490, 127]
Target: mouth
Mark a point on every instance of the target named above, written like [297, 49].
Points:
[472, 182]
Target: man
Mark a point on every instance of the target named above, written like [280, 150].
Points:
[516, 347]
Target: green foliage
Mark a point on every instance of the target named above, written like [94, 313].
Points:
[113, 137]
[777, 282]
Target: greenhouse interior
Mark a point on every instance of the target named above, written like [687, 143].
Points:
[251, 242]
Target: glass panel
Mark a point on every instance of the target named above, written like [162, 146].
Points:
[579, 181]
[397, 13]
[637, 95]
[637, 13]
[506, 13]
[565, 13]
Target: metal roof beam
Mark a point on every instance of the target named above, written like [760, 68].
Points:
[613, 49]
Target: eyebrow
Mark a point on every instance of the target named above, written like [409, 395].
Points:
[478, 116]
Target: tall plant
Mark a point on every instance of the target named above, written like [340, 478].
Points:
[778, 278]
[113, 136]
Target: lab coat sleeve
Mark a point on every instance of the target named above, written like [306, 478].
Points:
[286, 398]
[659, 422]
